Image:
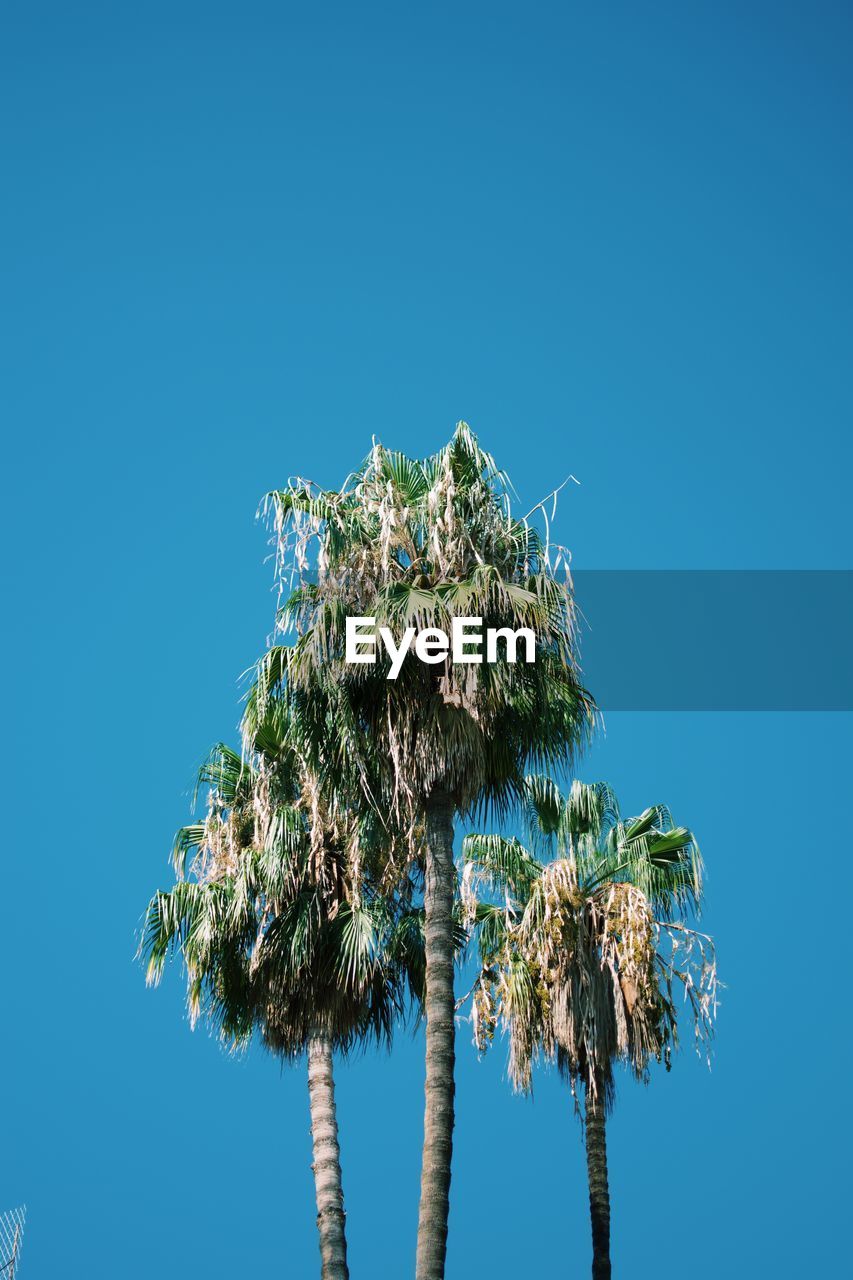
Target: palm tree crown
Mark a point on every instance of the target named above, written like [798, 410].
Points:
[416, 543]
[581, 950]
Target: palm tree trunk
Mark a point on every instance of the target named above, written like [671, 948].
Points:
[331, 1219]
[599, 1194]
[440, 1032]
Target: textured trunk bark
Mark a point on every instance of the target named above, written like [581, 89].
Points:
[440, 1033]
[599, 1194]
[331, 1221]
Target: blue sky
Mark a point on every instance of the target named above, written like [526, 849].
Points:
[236, 242]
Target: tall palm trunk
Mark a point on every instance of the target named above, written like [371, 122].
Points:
[596, 1164]
[440, 1031]
[331, 1220]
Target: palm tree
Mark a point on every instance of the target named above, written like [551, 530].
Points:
[580, 951]
[276, 936]
[413, 542]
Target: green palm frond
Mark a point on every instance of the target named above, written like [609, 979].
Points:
[223, 770]
[592, 810]
[188, 840]
[502, 864]
[544, 805]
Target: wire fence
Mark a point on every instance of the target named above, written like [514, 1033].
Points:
[11, 1238]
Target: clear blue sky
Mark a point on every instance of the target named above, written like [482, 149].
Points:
[236, 241]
